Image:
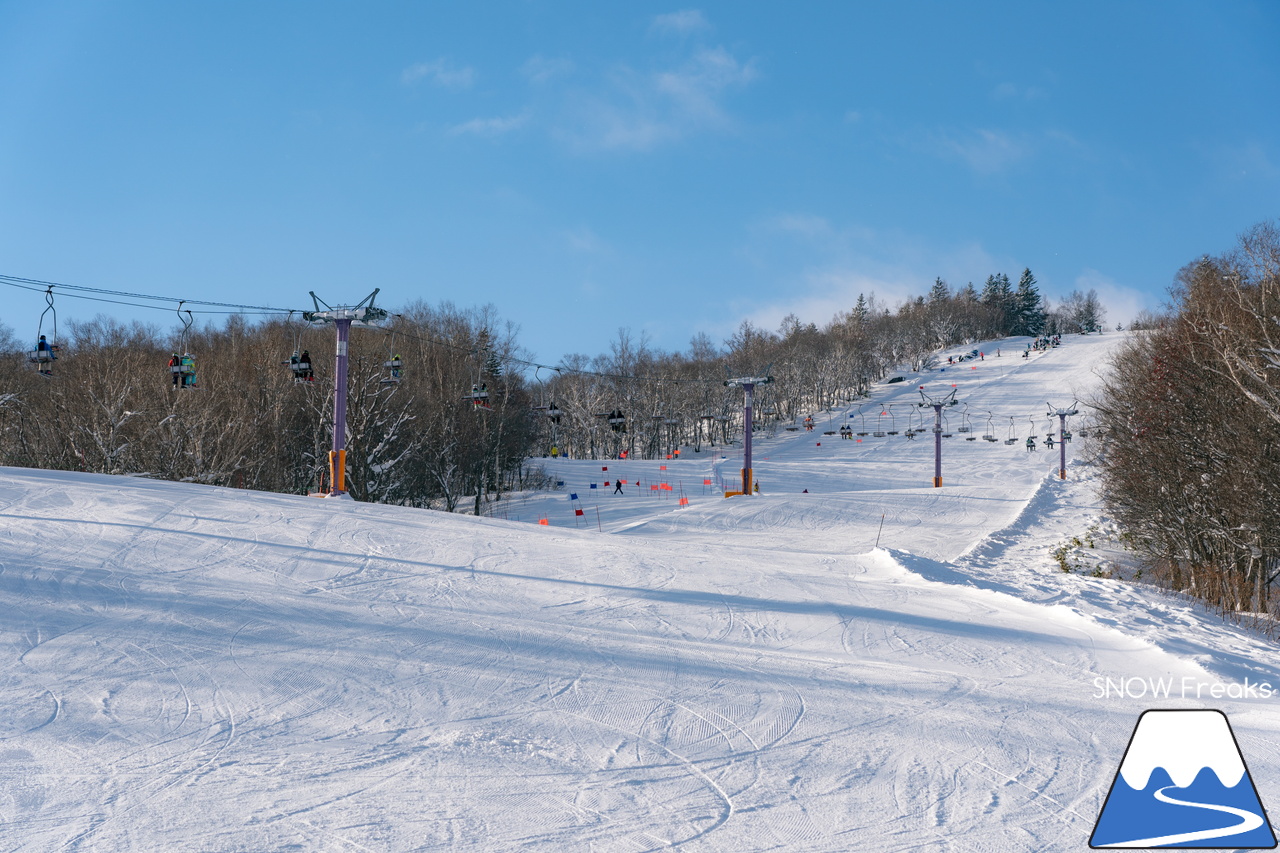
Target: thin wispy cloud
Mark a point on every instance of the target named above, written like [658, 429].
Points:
[1012, 91]
[496, 126]
[440, 72]
[540, 69]
[639, 111]
[984, 151]
[681, 23]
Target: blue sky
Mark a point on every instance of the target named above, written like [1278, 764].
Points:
[590, 166]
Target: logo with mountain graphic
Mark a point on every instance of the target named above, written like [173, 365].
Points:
[1183, 784]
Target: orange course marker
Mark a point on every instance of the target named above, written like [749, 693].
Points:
[545, 522]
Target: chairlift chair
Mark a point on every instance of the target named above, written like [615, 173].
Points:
[185, 369]
[893, 420]
[393, 366]
[479, 397]
[990, 434]
[45, 352]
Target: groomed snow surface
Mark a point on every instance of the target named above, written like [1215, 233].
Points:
[202, 669]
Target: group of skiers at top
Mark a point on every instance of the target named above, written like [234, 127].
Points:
[1042, 343]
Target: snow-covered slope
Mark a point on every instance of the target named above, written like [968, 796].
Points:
[194, 668]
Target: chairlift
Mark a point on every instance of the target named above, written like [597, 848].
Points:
[617, 421]
[990, 434]
[863, 423]
[300, 361]
[893, 420]
[965, 425]
[183, 367]
[879, 432]
[394, 364]
[479, 397]
[1012, 439]
[45, 353]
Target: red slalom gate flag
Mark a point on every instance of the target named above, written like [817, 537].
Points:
[662, 467]
[684, 502]
[577, 512]
[706, 482]
[543, 521]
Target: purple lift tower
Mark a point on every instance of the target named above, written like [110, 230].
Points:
[748, 384]
[936, 403]
[363, 314]
[1062, 414]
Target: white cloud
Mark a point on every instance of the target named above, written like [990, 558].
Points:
[985, 151]
[681, 23]
[541, 69]
[641, 111]
[491, 126]
[822, 294]
[440, 72]
[1010, 91]
[1123, 303]
[825, 266]
[584, 241]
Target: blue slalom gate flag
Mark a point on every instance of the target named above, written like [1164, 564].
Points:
[573, 496]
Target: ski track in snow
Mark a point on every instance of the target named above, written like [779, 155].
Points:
[197, 668]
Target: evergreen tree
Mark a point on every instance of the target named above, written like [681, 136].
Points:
[940, 292]
[1029, 310]
[492, 366]
[860, 312]
[999, 298]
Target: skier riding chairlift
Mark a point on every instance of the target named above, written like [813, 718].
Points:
[44, 356]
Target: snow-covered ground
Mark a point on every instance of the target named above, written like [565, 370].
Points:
[192, 668]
